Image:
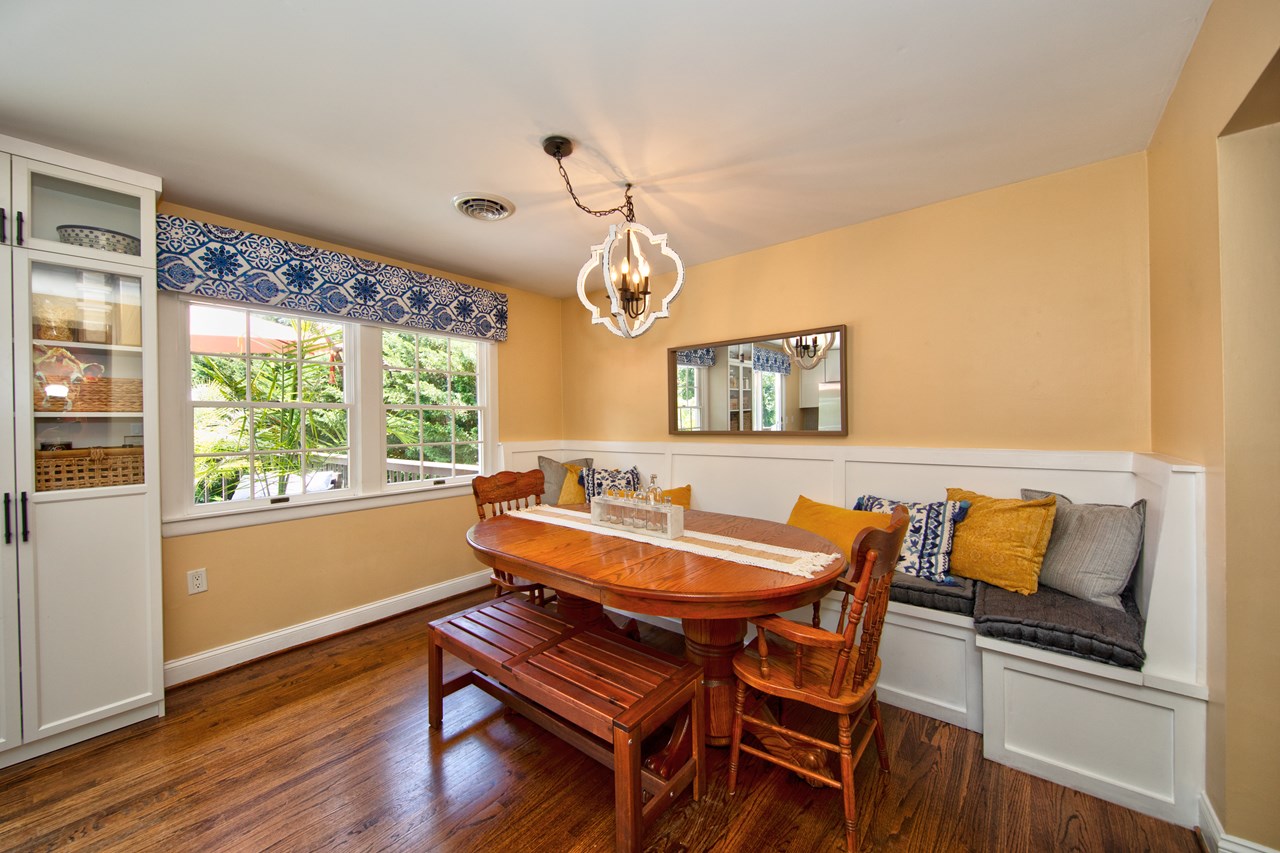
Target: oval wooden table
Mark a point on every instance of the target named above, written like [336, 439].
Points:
[712, 597]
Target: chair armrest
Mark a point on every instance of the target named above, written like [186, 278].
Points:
[805, 635]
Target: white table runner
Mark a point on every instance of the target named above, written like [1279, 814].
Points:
[760, 554]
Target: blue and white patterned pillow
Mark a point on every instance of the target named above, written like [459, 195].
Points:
[926, 550]
[597, 481]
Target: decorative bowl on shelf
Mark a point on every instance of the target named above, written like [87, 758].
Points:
[100, 238]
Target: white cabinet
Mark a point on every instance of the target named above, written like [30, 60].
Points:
[740, 387]
[80, 605]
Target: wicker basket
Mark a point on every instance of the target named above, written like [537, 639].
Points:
[103, 394]
[88, 468]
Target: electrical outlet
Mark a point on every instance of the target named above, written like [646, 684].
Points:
[197, 581]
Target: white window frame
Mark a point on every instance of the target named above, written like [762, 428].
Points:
[757, 394]
[699, 405]
[365, 488]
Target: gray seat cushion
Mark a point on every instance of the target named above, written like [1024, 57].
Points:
[956, 597]
[1058, 622]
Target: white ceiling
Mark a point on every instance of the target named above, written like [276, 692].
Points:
[743, 124]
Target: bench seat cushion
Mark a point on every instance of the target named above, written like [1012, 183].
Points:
[955, 597]
[1058, 622]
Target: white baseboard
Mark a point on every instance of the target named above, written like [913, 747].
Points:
[214, 660]
[1214, 836]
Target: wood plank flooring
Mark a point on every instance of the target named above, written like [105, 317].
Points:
[327, 747]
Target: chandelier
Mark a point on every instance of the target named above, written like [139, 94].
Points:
[622, 261]
[808, 352]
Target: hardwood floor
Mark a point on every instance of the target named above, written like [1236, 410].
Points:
[327, 747]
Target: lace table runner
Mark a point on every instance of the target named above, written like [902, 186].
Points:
[760, 554]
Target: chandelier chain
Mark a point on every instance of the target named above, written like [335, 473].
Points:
[627, 208]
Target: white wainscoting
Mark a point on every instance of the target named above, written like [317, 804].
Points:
[1135, 738]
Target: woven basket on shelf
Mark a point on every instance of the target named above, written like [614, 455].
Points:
[104, 394]
[87, 468]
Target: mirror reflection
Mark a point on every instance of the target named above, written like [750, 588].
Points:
[791, 383]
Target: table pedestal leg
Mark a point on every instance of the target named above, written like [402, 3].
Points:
[580, 611]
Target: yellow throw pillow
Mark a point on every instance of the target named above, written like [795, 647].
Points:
[835, 523]
[680, 496]
[572, 491]
[1002, 540]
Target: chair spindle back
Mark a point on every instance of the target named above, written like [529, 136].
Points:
[507, 490]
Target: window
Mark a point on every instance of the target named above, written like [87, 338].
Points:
[430, 401]
[287, 409]
[770, 390]
[689, 397]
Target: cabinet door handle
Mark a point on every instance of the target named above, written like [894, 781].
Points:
[17, 228]
[4, 222]
[8, 525]
[26, 532]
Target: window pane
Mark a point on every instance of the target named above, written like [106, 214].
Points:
[463, 355]
[323, 383]
[276, 474]
[433, 353]
[398, 349]
[218, 330]
[437, 460]
[468, 425]
[468, 455]
[464, 390]
[273, 381]
[273, 336]
[433, 389]
[217, 378]
[403, 465]
[277, 429]
[326, 427]
[321, 341]
[326, 472]
[437, 425]
[399, 387]
[218, 478]
[404, 426]
[220, 430]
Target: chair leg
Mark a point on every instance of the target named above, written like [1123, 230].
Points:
[628, 804]
[882, 747]
[435, 681]
[846, 783]
[736, 739]
[699, 711]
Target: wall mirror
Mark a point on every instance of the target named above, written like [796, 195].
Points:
[791, 383]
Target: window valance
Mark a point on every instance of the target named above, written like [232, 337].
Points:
[698, 357]
[225, 263]
[766, 360]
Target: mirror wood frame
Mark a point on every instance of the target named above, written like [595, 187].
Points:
[843, 431]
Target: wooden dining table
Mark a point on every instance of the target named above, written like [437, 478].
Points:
[712, 596]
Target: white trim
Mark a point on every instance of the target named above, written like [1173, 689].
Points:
[32, 151]
[1217, 839]
[224, 657]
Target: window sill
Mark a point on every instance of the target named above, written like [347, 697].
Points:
[231, 519]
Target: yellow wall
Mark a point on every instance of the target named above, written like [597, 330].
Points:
[1011, 318]
[274, 576]
[1235, 44]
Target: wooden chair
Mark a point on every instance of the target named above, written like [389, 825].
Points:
[503, 492]
[826, 669]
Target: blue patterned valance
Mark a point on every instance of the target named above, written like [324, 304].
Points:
[223, 263]
[698, 357]
[770, 361]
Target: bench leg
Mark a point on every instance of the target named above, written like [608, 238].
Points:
[435, 681]
[628, 804]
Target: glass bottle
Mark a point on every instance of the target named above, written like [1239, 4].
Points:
[653, 497]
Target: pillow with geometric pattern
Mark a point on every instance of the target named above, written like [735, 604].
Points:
[931, 528]
[597, 481]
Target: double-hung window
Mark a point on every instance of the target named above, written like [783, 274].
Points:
[690, 397]
[289, 408]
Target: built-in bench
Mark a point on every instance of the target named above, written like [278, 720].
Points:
[595, 689]
[1131, 736]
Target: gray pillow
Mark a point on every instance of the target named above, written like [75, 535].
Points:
[1093, 549]
[553, 474]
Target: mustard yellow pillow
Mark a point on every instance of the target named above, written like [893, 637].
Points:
[680, 496]
[835, 523]
[572, 491]
[1002, 540]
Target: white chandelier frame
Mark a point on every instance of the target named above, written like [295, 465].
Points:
[808, 362]
[616, 320]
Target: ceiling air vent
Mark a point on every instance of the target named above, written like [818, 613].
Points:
[486, 208]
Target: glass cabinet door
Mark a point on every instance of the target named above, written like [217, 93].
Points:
[62, 210]
[85, 370]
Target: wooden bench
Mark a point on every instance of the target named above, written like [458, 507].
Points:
[584, 685]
